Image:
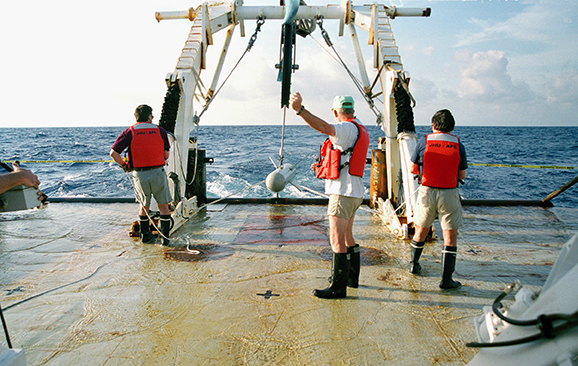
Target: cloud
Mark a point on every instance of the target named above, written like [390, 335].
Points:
[535, 23]
[423, 89]
[484, 77]
[428, 51]
[563, 89]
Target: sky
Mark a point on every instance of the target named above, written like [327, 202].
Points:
[492, 63]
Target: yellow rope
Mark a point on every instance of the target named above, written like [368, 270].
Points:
[60, 161]
[525, 166]
[473, 164]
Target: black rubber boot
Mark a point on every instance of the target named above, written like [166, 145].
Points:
[416, 249]
[448, 267]
[165, 223]
[354, 265]
[145, 234]
[338, 287]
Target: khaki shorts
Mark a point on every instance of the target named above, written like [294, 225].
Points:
[152, 182]
[343, 206]
[443, 203]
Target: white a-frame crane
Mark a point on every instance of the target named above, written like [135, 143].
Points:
[394, 201]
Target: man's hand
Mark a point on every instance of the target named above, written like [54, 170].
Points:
[295, 101]
[26, 176]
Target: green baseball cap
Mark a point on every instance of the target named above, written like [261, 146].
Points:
[343, 101]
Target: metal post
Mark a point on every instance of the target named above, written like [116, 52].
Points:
[198, 187]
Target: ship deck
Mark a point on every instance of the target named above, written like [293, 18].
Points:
[76, 289]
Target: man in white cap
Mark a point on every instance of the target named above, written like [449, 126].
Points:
[341, 164]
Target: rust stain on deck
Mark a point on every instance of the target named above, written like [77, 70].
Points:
[282, 230]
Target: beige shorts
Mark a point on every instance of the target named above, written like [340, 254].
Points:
[152, 183]
[343, 206]
[443, 203]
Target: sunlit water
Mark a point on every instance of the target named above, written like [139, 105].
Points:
[242, 158]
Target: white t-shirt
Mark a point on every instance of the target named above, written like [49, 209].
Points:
[346, 184]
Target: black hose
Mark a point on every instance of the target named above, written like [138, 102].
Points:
[495, 307]
[168, 118]
[544, 323]
[56, 288]
[7, 167]
[553, 331]
[405, 121]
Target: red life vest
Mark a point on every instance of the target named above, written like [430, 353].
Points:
[329, 163]
[147, 148]
[441, 161]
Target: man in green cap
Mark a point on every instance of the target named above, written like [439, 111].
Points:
[341, 164]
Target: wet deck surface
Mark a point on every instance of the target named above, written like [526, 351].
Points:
[78, 291]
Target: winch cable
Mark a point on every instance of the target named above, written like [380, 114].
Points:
[356, 81]
[368, 209]
[260, 22]
[281, 152]
[404, 100]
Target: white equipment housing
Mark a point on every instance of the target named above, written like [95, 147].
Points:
[559, 295]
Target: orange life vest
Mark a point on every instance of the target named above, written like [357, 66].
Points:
[441, 160]
[147, 148]
[329, 163]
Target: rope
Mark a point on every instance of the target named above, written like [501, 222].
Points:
[260, 22]
[525, 166]
[60, 161]
[561, 167]
[371, 210]
[356, 81]
[140, 201]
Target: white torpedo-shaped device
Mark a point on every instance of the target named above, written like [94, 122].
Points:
[278, 179]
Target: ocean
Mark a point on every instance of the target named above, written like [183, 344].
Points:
[242, 158]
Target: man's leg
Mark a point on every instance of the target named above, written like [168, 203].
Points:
[338, 233]
[417, 245]
[450, 238]
[165, 222]
[354, 252]
[143, 210]
[145, 234]
[449, 254]
[340, 262]
[421, 233]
